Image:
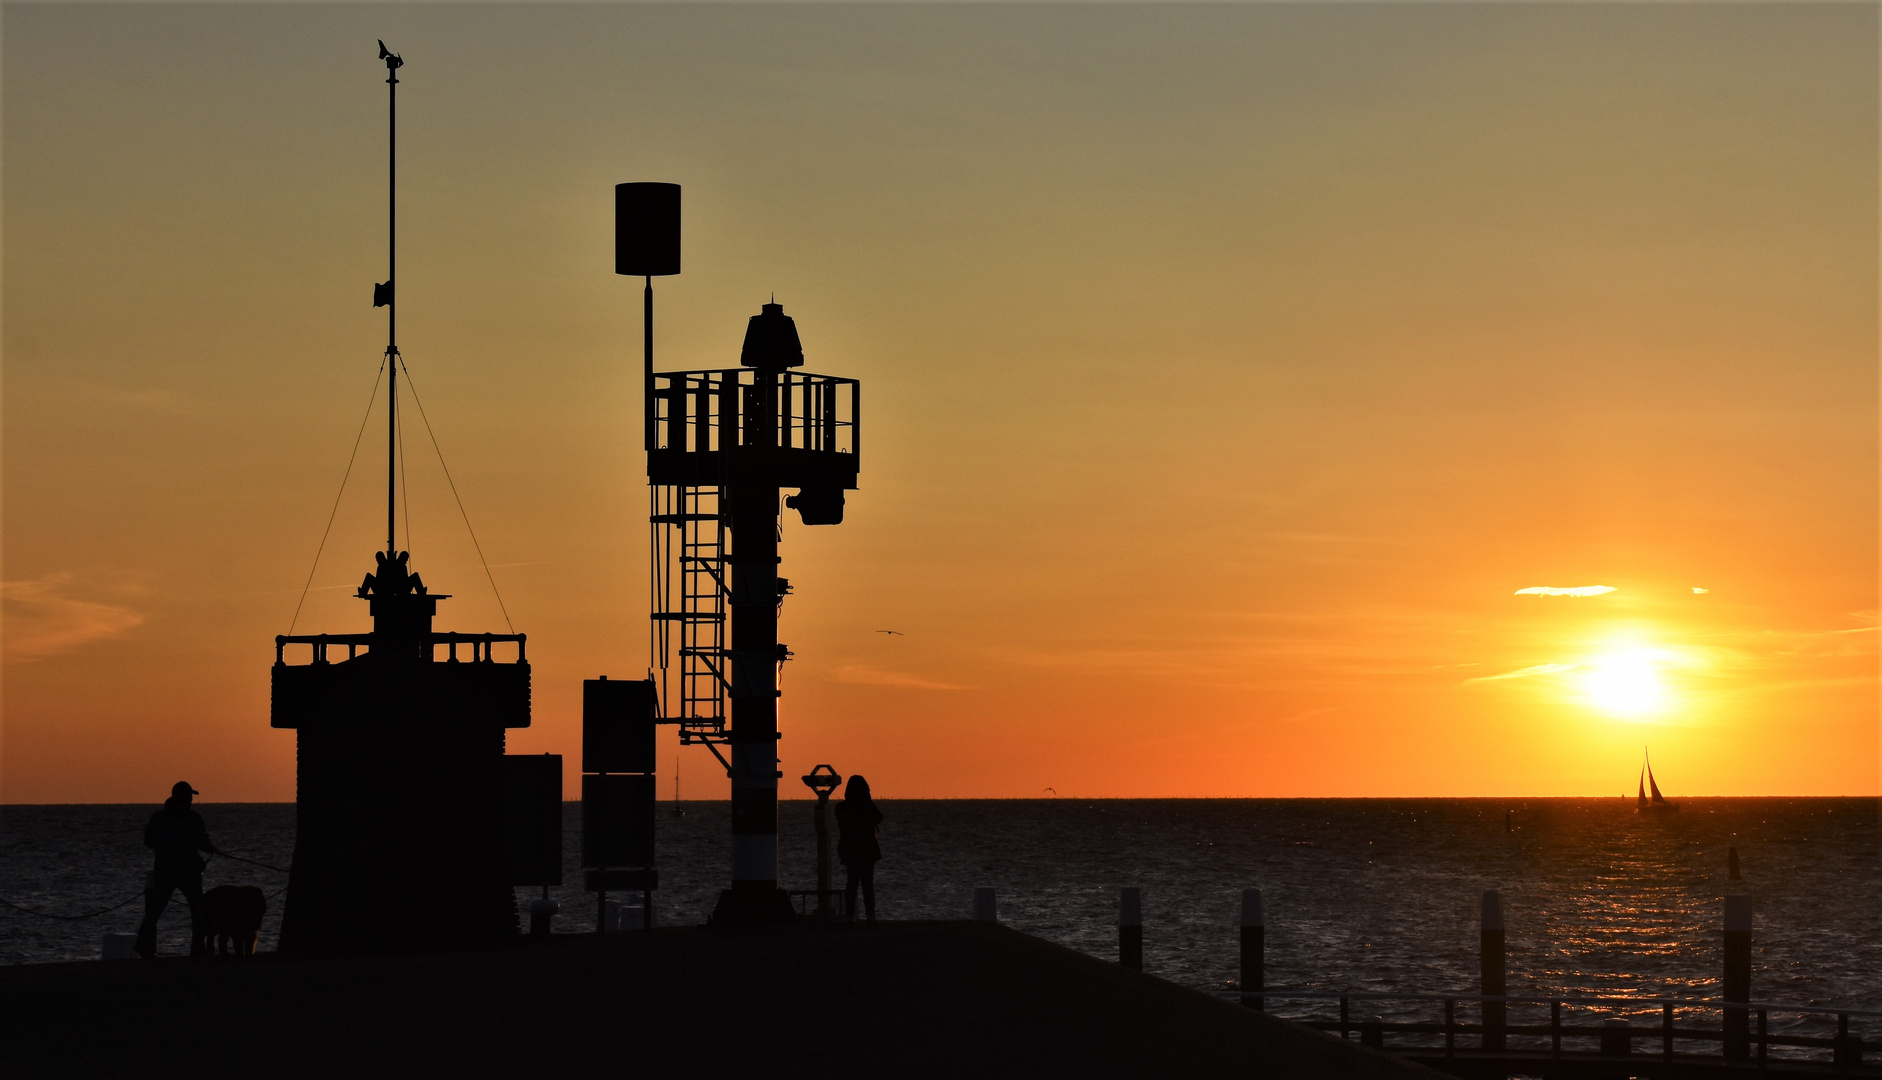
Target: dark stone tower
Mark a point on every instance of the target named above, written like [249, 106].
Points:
[400, 808]
[405, 839]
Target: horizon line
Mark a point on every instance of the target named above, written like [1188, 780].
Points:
[1089, 798]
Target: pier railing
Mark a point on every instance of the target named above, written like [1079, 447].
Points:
[1426, 1028]
[1443, 1038]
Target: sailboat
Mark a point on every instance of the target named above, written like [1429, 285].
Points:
[1643, 804]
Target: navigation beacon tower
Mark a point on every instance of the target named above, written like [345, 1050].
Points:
[720, 444]
[407, 809]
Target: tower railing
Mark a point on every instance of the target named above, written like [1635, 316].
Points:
[709, 411]
[478, 647]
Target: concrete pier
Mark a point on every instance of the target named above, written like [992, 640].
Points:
[907, 999]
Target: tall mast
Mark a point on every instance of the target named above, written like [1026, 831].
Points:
[393, 63]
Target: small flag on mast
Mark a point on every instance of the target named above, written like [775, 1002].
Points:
[381, 294]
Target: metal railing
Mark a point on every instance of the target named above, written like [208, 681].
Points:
[481, 651]
[1758, 1041]
[709, 411]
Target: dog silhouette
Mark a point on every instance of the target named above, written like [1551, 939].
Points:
[231, 919]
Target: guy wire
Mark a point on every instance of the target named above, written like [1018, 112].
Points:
[412, 385]
[405, 487]
[336, 498]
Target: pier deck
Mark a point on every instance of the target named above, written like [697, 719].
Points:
[897, 999]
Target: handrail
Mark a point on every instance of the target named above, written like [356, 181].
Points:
[479, 643]
[1735, 1043]
[436, 636]
[810, 411]
[1566, 999]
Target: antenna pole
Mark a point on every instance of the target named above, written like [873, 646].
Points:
[393, 63]
[647, 348]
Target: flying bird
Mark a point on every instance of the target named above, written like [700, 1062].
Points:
[897, 633]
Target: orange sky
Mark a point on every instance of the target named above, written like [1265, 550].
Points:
[1228, 369]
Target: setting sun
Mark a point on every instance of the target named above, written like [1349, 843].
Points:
[1625, 682]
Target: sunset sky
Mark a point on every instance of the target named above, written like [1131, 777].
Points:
[1230, 371]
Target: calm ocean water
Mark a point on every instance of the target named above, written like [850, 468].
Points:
[1360, 894]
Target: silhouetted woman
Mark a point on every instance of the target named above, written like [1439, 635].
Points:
[856, 846]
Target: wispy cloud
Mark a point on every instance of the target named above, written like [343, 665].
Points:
[42, 620]
[1577, 590]
[1697, 590]
[863, 675]
[1524, 673]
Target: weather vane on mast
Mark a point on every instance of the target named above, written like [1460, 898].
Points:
[392, 726]
[383, 294]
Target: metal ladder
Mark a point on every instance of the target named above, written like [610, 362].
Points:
[689, 592]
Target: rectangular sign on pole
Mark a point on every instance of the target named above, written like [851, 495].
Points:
[617, 820]
[647, 229]
[532, 818]
[618, 719]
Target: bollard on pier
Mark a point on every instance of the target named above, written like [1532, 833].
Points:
[1254, 943]
[985, 909]
[1491, 969]
[1737, 976]
[1130, 927]
[541, 911]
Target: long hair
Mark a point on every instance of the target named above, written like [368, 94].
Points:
[857, 790]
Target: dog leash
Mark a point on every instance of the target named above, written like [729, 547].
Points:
[136, 897]
[88, 915]
[252, 862]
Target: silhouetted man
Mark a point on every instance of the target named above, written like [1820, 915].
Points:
[176, 833]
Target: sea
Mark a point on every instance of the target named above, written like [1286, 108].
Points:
[1359, 895]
